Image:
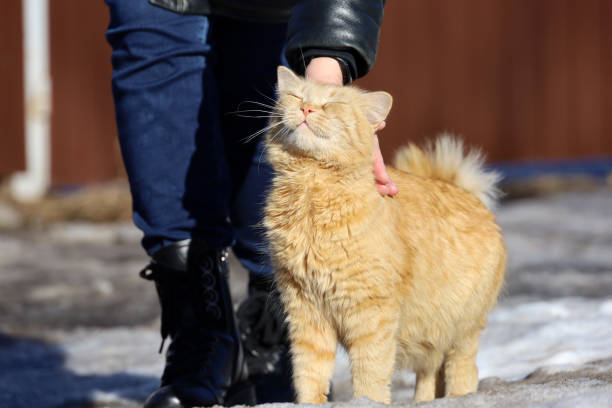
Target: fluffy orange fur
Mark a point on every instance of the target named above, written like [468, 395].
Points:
[402, 281]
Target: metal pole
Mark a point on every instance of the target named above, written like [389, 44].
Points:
[34, 181]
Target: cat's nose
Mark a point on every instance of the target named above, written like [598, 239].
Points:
[307, 109]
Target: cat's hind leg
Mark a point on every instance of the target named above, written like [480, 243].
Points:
[460, 371]
[429, 383]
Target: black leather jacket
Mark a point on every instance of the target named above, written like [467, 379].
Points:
[345, 29]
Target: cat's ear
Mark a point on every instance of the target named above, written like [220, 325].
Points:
[377, 106]
[287, 80]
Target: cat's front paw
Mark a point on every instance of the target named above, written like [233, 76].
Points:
[312, 399]
[382, 395]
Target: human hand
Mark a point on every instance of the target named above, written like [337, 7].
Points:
[384, 184]
[327, 70]
[324, 69]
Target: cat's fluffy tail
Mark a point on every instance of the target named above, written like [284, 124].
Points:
[446, 159]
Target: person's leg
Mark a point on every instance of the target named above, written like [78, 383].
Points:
[249, 54]
[167, 114]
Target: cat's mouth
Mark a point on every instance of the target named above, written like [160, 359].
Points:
[305, 129]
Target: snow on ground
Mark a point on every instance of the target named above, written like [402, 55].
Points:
[78, 328]
[560, 332]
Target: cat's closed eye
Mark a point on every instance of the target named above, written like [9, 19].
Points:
[292, 95]
[333, 103]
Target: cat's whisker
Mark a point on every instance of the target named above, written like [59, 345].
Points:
[254, 135]
[258, 116]
[303, 60]
[259, 132]
[265, 105]
[269, 113]
[273, 100]
[284, 131]
[258, 110]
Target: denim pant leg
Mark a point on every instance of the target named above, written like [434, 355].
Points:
[167, 111]
[249, 54]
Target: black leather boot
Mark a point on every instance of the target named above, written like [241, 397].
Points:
[261, 320]
[205, 364]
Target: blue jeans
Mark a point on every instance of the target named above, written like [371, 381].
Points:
[178, 81]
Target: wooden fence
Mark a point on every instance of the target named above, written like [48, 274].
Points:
[12, 146]
[524, 79]
[83, 130]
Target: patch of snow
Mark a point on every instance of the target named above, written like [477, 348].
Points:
[106, 351]
[522, 337]
[606, 307]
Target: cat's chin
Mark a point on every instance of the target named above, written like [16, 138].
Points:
[303, 126]
[304, 142]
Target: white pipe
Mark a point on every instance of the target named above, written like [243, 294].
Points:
[34, 181]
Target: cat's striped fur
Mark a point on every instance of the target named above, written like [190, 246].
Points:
[399, 282]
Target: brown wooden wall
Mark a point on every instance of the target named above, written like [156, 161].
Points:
[12, 147]
[522, 78]
[83, 131]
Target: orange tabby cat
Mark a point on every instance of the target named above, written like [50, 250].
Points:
[404, 281]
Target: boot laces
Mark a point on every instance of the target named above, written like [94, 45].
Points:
[209, 286]
[210, 296]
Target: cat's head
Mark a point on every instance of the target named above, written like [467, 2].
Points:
[329, 123]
